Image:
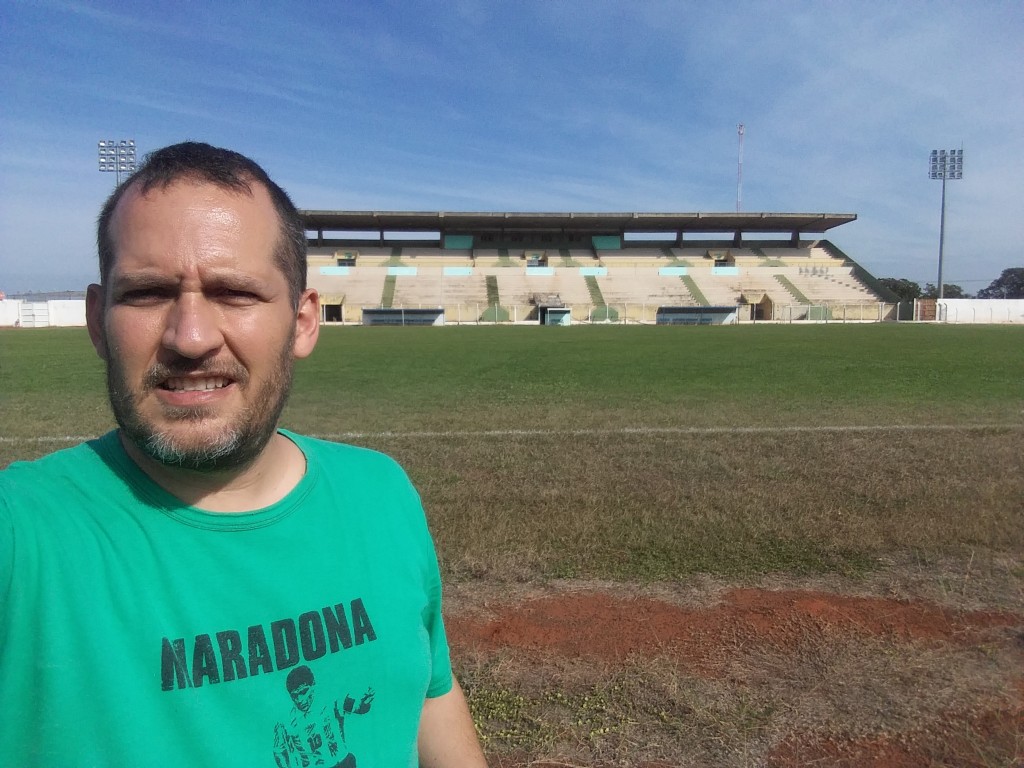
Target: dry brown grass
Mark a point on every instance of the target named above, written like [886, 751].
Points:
[663, 506]
[820, 699]
[646, 710]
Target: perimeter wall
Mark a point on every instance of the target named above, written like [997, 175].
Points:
[71, 312]
[980, 311]
[42, 314]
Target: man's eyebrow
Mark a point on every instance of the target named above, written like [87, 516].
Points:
[136, 280]
[139, 280]
[235, 281]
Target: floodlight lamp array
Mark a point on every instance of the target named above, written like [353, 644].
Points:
[946, 164]
[117, 156]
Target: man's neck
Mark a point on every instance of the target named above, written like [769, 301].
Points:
[267, 479]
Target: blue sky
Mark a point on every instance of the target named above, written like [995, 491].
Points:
[531, 106]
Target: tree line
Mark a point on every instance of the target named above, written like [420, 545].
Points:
[1009, 285]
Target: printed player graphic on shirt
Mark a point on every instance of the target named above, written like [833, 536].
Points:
[314, 735]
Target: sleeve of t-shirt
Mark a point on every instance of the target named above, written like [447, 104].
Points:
[6, 546]
[420, 541]
[440, 660]
[441, 667]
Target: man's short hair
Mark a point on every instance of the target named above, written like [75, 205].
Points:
[195, 161]
[298, 677]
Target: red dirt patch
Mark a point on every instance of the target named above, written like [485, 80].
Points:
[611, 627]
[971, 742]
[602, 626]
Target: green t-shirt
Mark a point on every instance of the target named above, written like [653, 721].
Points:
[135, 630]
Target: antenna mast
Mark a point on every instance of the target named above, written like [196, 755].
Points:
[739, 170]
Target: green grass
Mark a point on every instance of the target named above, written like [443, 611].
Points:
[588, 486]
[659, 376]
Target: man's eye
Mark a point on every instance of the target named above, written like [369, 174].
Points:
[237, 296]
[141, 296]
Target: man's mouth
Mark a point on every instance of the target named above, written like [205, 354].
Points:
[194, 383]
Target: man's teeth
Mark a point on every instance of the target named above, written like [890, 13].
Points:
[196, 385]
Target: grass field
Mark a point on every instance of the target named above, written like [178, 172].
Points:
[870, 458]
[660, 452]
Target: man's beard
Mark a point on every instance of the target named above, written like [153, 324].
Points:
[235, 446]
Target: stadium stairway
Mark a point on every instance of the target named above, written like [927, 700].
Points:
[601, 310]
[387, 297]
[495, 313]
[793, 291]
[695, 292]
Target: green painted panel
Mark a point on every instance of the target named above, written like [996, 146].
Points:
[607, 242]
[458, 241]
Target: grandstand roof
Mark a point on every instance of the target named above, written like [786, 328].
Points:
[592, 223]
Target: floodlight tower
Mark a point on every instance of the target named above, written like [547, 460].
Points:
[117, 156]
[945, 165]
[740, 130]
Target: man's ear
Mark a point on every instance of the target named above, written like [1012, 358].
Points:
[307, 323]
[94, 312]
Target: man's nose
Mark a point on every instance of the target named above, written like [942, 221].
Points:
[193, 327]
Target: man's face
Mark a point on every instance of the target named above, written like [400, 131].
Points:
[196, 324]
[303, 697]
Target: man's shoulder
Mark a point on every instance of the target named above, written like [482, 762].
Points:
[333, 454]
[60, 479]
[82, 461]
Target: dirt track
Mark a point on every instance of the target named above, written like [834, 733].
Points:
[832, 678]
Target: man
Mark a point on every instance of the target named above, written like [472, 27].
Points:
[315, 736]
[158, 584]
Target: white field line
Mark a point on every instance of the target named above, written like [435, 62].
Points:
[682, 431]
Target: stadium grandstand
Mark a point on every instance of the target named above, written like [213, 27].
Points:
[443, 268]
[560, 268]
